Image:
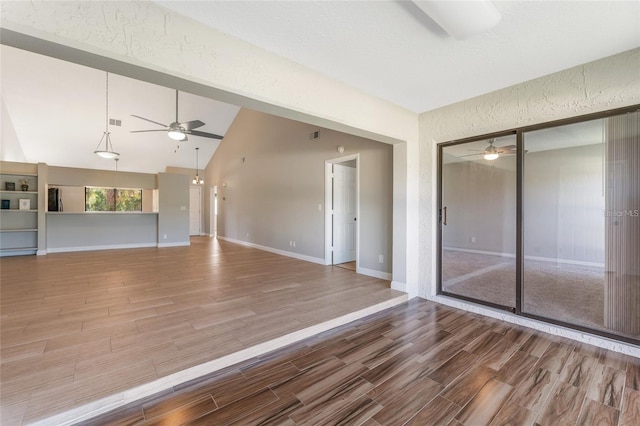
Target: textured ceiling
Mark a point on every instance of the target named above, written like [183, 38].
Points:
[392, 50]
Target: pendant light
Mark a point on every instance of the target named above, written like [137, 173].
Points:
[197, 180]
[108, 151]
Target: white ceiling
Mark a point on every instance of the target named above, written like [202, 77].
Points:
[389, 49]
[392, 50]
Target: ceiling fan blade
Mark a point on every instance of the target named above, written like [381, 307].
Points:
[193, 124]
[204, 134]
[150, 121]
[142, 131]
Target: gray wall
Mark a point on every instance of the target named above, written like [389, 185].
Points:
[71, 232]
[88, 177]
[274, 176]
[173, 215]
[563, 204]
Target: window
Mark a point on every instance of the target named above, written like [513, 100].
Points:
[112, 200]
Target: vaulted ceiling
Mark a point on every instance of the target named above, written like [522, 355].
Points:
[55, 111]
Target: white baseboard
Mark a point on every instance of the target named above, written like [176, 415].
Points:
[274, 250]
[101, 247]
[374, 273]
[541, 259]
[41, 252]
[397, 285]
[178, 244]
[557, 330]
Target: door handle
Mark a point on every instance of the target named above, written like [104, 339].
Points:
[444, 221]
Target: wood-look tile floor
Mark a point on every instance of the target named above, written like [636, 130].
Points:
[78, 327]
[419, 363]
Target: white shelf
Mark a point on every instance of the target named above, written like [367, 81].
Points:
[19, 227]
[4, 191]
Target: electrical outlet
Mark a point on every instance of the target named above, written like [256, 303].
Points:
[473, 239]
[294, 243]
[381, 258]
[319, 207]
[164, 236]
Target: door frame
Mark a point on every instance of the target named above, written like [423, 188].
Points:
[328, 213]
[213, 216]
[200, 214]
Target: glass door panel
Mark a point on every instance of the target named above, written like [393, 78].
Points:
[581, 233]
[478, 226]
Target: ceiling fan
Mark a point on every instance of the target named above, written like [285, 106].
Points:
[178, 131]
[492, 152]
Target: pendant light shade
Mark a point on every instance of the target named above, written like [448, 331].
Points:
[108, 151]
[197, 180]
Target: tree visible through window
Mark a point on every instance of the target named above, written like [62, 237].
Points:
[112, 199]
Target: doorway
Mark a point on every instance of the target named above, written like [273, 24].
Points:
[195, 207]
[213, 209]
[342, 211]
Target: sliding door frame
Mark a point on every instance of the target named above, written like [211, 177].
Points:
[440, 207]
[520, 164]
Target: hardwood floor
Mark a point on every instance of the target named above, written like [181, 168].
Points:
[419, 363]
[94, 330]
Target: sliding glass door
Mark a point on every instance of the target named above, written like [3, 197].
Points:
[478, 220]
[581, 225]
[552, 233]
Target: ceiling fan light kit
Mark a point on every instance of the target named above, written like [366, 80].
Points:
[178, 131]
[461, 19]
[108, 151]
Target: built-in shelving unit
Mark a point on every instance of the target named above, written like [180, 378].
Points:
[19, 213]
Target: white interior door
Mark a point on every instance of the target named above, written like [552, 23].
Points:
[344, 214]
[195, 217]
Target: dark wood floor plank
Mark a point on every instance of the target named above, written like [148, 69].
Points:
[486, 404]
[630, 413]
[186, 413]
[454, 367]
[533, 392]
[563, 406]
[595, 413]
[513, 415]
[466, 386]
[407, 404]
[516, 368]
[237, 410]
[439, 411]
[607, 386]
[355, 412]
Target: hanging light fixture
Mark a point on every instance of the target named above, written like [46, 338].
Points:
[197, 180]
[108, 151]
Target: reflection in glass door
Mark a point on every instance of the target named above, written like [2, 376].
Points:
[582, 224]
[478, 221]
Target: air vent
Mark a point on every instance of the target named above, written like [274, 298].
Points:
[314, 135]
[115, 122]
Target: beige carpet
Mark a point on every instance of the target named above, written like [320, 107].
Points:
[565, 292]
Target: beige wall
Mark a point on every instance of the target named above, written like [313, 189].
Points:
[275, 181]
